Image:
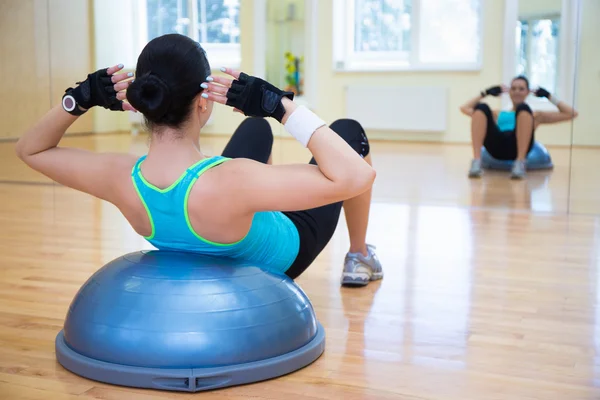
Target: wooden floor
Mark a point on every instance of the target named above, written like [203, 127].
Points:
[491, 288]
[413, 173]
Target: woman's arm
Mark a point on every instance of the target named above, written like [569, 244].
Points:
[565, 112]
[45, 134]
[341, 172]
[79, 169]
[469, 107]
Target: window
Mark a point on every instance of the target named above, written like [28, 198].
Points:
[537, 41]
[213, 23]
[381, 29]
[407, 34]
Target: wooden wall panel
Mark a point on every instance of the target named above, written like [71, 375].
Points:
[24, 64]
[45, 47]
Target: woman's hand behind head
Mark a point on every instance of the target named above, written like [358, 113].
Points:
[103, 88]
[121, 84]
[253, 96]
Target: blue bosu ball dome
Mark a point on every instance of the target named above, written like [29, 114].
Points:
[180, 321]
[537, 158]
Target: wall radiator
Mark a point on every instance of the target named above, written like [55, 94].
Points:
[398, 108]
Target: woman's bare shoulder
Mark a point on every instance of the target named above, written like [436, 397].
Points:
[224, 188]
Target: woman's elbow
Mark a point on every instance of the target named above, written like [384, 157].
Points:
[466, 111]
[371, 175]
[20, 151]
[361, 182]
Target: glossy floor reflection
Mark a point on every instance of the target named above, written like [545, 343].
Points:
[416, 173]
[476, 303]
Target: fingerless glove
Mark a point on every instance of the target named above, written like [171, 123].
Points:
[492, 91]
[541, 92]
[96, 90]
[256, 97]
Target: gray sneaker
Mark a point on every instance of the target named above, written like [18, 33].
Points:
[518, 170]
[475, 171]
[360, 270]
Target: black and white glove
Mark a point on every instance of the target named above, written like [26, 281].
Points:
[97, 90]
[492, 91]
[541, 92]
[256, 97]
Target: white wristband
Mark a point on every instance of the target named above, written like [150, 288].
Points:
[554, 100]
[302, 124]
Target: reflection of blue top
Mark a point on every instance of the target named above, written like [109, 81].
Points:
[506, 121]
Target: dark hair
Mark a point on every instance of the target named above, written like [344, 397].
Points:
[523, 78]
[168, 75]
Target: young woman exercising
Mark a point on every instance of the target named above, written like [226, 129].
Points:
[509, 135]
[235, 205]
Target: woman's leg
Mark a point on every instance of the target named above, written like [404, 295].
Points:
[361, 264]
[356, 211]
[524, 133]
[524, 130]
[480, 122]
[252, 139]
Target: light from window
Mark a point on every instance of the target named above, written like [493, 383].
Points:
[219, 21]
[537, 51]
[213, 23]
[449, 31]
[167, 16]
[521, 51]
[382, 25]
[400, 34]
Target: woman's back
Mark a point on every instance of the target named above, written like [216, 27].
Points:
[180, 214]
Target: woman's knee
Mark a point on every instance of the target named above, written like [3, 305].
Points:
[523, 108]
[252, 139]
[259, 129]
[353, 133]
[484, 109]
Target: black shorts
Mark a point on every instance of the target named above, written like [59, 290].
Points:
[254, 139]
[502, 145]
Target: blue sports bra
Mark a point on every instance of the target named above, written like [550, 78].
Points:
[506, 121]
[272, 241]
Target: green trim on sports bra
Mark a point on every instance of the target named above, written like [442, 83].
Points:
[185, 207]
[145, 206]
[172, 186]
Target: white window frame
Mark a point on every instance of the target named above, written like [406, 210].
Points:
[570, 31]
[345, 59]
[219, 54]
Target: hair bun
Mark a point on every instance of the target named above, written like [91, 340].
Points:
[150, 95]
